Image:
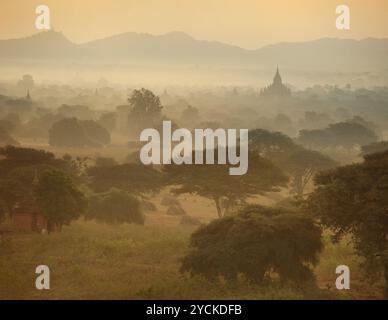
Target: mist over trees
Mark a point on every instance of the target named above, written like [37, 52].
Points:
[343, 134]
[71, 132]
[76, 154]
[145, 112]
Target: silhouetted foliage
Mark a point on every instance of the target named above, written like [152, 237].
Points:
[19, 166]
[146, 110]
[353, 199]
[67, 133]
[256, 242]
[71, 132]
[58, 198]
[270, 144]
[302, 165]
[114, 207]
[215, 183]
[132, 177]
[344, 134]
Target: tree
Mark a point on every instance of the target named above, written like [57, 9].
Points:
[131, 177]
[190, 115]
[214, 182]
[18, 167]
[302, 165]
[67, 133]
[26, 83]
[256, 242]
[345, 134]
[271, 144]
[70, 132]
[12, 191]
[59, 200]
[353, 199]
[146, 110]
[115, 206]
[15, 157]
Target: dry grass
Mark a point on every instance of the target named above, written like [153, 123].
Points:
[94, 261]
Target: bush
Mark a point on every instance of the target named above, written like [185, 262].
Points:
[257, 242]
[115, 207]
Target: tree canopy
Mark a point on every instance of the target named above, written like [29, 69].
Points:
[70, 132]
[342, 134]
[271, 144]
[145, 110]
[302, 165]
[58, 198]
[19, 166]
[256, 242]
[115, 206]
[353, 199]
[132, 177]
[215, 183]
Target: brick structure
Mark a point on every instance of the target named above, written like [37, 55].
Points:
[26, 216]
[29, 222]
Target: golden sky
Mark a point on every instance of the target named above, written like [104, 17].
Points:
[247, 23]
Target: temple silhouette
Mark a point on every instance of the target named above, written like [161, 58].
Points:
[277, 88]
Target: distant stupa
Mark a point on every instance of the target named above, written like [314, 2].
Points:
[277, 88]
[28, 96]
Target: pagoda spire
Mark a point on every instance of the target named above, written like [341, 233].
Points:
[277, 79]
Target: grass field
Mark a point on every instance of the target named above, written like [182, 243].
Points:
[88, 260]
[95, 261]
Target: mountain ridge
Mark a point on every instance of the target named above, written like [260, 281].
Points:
[181, 48]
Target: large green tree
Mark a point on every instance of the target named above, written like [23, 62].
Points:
[256, 242]
[353, 199]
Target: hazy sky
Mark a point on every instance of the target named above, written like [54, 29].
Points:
[247, 23]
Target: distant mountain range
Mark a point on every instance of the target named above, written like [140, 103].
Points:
[338, 55]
